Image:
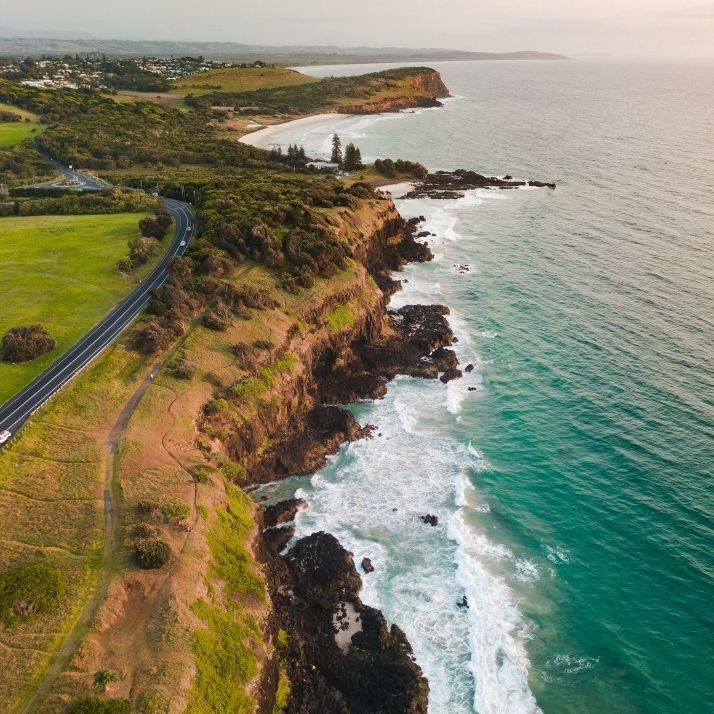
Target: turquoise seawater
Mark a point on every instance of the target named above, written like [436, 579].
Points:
[574, 482]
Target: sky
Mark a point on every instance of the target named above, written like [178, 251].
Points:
[619, 27]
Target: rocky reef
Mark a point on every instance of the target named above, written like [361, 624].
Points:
[452, 184]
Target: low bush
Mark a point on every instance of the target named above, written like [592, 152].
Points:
[30, 589]
[152, 553]
[176, 512]
[97, 705]
[104, 677]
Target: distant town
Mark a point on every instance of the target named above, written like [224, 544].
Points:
[97, 71]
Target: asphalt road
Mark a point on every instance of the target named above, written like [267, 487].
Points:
[15, 412]
[76, 179]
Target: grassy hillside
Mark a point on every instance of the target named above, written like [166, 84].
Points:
[59, 271]
[241, 79]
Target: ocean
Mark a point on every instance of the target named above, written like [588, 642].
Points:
[571, 470]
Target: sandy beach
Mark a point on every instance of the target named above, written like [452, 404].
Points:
[291, 131]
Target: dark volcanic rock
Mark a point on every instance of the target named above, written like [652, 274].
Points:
[450, 375]
[416, 346]
[283, 512]
[341, 657]
[469, 368]
[322, 570]
[275, 539]
[304, 447]
[451, 184]
[367, 565]
[429, 519]
[541, 184]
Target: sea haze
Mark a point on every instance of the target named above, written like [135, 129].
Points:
[572, 469]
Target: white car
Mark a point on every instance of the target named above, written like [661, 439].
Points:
[182, 243]
[190, 228]
[4, 436]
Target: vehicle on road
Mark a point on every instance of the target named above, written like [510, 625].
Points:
[190, 228]
[4, 436]
[182, 243]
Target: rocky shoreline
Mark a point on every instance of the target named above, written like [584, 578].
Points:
[340, 655]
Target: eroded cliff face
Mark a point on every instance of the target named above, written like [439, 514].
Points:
[423, 89]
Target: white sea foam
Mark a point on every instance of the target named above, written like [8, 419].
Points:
[556, 554]
[474, 659]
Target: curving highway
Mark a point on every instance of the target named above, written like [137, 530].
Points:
[17, 410]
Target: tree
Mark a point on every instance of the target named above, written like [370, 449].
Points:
[155, 226]
[22, 344]
[353, 158]
[336, 150]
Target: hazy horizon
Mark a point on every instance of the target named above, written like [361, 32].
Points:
[624, 28]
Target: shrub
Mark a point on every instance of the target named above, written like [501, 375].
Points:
[148, 509]
[104, 677]
[152, 336]
[30, 589]
[176, 512]
[182, 367]
[155, 226]
[143, 530]
[215, 406]
[22, 344]
[202, 473]
[152, 553]
[217, 319]
[141, 250]
[97, 705]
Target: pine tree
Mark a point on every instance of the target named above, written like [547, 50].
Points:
[353, 158]
[336, 150]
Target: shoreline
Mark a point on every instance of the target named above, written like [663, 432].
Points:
[260, 138]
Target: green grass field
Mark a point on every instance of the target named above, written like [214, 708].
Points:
[14, 132]
[60, 271]
[237, 79]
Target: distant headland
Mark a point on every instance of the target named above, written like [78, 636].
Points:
[234, 51]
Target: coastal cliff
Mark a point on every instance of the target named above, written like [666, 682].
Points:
[347, 346]
[424, 88]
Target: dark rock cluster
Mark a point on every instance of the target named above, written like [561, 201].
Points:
[372, 671]
[451, 184]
